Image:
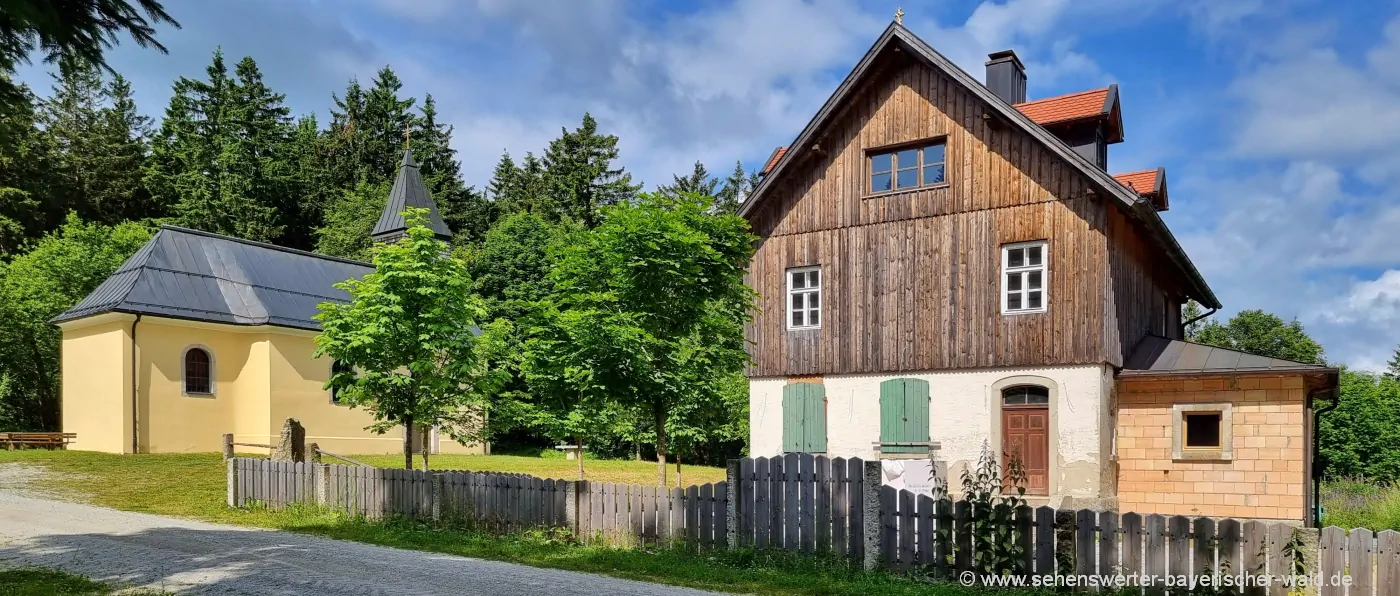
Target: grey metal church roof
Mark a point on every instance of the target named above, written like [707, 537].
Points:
[190, 274]
[1158, 355]
[409, 191]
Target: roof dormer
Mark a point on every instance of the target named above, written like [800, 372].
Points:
[1088, 121]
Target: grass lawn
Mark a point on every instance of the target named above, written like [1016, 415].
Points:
[609, 470]
[192, 486]
[45, 582]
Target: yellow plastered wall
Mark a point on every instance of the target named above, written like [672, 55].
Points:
[96, 376]
[171, 421]
[297, 381]
[261, 376]
[1266, 477]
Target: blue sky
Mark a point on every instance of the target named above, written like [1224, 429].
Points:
[1277, 121]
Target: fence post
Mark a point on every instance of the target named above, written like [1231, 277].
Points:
[321, 476]
[571, 497]
[228, 445]
[437, 496]
[232, 480]
[870, 502]
[731, 531]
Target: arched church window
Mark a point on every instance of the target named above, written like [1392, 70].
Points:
[198, 372]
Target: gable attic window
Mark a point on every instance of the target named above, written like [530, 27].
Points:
[804, 305]
[910, 167]
[1023, 273]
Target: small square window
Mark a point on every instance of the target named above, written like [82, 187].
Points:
[1202, 430]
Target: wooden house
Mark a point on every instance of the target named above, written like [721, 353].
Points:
[944, 264]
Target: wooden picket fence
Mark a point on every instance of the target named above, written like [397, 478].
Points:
[802, 502]
[596, 511]
[834, 505]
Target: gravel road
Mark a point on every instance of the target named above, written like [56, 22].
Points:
[191, 557]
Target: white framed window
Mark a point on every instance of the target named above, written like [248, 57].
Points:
[1023, 277]
[804, 304]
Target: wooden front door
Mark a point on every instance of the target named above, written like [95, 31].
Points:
[1024, 431]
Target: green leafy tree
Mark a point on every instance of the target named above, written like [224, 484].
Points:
[699, 181]
[1361, 436]
[1258, 332]
[651, 309]
[581, 176]
[407, 338]
[61, 269]
[78, 29]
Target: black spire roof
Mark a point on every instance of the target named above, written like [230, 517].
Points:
[409, 191]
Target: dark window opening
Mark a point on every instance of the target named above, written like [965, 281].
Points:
[1202, 430]
[337, 367]
[1025, 395]
[197, 372]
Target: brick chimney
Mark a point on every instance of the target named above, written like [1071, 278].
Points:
[1006, 76]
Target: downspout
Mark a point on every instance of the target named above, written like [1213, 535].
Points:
[1187, 324]
[1316, 448]
[135, 443]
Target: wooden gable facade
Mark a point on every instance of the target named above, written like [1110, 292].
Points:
[911, 279]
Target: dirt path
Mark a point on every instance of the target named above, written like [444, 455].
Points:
[192, 557]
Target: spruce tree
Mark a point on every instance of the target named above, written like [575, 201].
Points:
[25, 165]
[124, 135]
[466, 211]
[381, 128]
[699, 181]
[735, 189]
[582, 179]
[220, 157]
[521, 189]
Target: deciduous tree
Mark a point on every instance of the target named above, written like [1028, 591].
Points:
[652, 305]
[408, 341]
[1265, 334]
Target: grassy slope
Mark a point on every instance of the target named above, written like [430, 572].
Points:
[44, 582]
[193, 486]
[1361, 504]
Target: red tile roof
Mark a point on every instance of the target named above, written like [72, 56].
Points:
[773, 161]
[1149, 184]
[1085, 104]
[1144, 182]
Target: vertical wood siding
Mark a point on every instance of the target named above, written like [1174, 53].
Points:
[911, 279]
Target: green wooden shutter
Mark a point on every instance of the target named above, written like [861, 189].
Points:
[804, 418]
[814, 426]
[904, 414]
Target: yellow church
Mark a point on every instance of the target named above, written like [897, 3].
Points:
[199, 334]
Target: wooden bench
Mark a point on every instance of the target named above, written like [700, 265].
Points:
[40, 439]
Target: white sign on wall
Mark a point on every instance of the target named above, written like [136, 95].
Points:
[920, 476]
